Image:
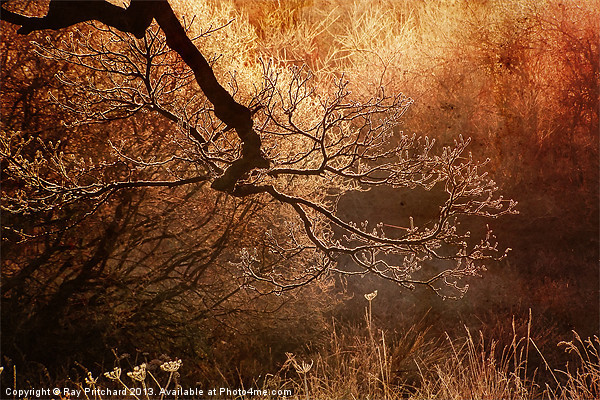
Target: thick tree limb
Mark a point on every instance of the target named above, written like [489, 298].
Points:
[135, 19]
[64, 13]
[227, 109]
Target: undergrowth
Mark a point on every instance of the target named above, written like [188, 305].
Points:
[365, 362]
[513, 75]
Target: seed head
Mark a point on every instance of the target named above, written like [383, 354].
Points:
[114, 374]
[371, 296]
[138, 373]
[171, 366]
[90, 381]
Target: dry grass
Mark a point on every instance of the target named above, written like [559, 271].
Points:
[453, 58]
[364, 362]
[582, 381]
[360, 363]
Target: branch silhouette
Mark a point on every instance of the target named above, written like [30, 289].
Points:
[135, 19]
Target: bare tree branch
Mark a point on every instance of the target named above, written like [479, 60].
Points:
[135, 19]
[64, 13]
[321, 144]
